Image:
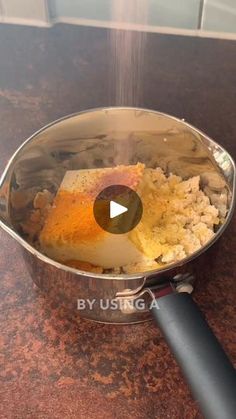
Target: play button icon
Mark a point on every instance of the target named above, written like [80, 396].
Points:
[117, 209]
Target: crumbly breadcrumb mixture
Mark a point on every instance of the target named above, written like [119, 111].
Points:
[178, 219]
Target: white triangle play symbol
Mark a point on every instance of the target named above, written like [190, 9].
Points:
[116, 209]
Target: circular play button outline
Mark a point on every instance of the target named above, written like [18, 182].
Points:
[118, 209]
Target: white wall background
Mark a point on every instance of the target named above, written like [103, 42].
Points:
[189, 17]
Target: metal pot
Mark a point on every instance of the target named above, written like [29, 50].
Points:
[102, 138]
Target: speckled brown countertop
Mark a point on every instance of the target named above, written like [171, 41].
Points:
[50, 366]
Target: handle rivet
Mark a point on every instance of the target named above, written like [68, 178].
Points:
[185, 288]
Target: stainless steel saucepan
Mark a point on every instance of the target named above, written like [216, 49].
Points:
[104, 138]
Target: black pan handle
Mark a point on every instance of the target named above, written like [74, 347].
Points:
[208, 371]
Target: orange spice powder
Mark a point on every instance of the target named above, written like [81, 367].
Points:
[71, 219]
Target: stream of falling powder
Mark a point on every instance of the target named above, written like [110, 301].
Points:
[127, 51]
[127, 62]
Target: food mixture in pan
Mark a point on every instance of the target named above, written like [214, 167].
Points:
[178, 219]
